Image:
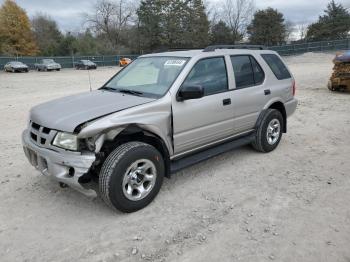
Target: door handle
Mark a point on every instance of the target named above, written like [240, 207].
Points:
[267, 92]
[226, 101]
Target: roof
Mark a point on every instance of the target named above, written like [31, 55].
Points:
[199, 52]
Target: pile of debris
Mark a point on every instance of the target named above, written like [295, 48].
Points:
[340, 79]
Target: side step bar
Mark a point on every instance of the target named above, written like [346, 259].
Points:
[184, 162]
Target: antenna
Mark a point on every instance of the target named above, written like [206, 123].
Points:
[89, 80]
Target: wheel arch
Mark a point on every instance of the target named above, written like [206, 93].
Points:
[134, 132]
[278, 105]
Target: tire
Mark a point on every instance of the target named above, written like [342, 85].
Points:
[265, 142]
[115, 176]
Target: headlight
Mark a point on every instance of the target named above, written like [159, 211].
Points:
[66, 141]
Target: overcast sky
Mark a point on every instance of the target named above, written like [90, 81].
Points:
[69, 13]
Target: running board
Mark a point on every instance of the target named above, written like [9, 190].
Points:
[195, 158]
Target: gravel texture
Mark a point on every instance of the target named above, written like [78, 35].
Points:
[288, 205]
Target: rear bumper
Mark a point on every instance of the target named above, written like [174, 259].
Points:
[56, 165]
[291, 106]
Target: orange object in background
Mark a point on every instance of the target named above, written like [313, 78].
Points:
[124, 61]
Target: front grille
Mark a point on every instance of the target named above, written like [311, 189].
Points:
[40, 135]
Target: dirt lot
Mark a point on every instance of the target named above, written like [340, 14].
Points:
[289, 205]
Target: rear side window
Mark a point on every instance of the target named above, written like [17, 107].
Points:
[210, 73]
[277, 66]
[247, 71]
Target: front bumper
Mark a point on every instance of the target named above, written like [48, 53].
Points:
[56, 164]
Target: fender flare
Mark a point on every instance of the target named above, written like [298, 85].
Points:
[264, 111]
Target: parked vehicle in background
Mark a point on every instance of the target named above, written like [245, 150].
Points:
[85, 64]
[160, 114]
[16, 66]
[124, 61]
[47, 65]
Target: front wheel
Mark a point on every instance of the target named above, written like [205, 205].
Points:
[131, 176]
[269, 133]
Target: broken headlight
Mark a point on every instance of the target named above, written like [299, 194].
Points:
[66, 141]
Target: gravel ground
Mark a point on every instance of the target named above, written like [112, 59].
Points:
[289, 205]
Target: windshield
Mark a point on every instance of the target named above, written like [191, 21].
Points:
[48, 61]
[16, 63]
[148, 76]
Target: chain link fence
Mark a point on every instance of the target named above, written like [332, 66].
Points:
[68, 61]
[284, 50]
[321, 46]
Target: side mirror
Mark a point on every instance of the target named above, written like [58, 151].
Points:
[190, 92]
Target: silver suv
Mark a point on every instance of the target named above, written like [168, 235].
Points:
[161, 113]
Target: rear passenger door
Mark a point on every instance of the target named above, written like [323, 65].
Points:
[198, 122]
[250, 94]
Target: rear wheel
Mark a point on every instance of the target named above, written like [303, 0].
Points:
[131, 176]
[269, 133]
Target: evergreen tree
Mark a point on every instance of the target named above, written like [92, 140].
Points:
[267, 28]
[172, 24]
[150, 24]
[335, 24]
[198, 32]
[47, 35]
[221, 34]
[16, 37]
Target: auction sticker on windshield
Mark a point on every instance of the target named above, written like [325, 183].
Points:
[177, 62]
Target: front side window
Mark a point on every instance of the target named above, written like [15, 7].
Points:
[209, 73]
[149, 76]
[277, 66]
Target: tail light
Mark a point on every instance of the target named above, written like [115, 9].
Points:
[294, 87]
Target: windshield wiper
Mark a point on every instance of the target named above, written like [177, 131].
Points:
[131, 92]
[108, 88]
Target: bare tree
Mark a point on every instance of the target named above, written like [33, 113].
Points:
[290, 29]
[238, 14]
[302, 30]
[111, 18]
[213, 12]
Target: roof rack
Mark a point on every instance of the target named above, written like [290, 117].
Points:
[212, 48]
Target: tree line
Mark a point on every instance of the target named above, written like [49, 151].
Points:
[121, 26]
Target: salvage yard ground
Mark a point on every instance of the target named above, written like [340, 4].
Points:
[289, 205]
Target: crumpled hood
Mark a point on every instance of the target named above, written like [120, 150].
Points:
[66, 113]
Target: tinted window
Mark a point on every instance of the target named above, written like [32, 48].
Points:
[243, 71]
[209, 73]
[277, 66]
[259, 75]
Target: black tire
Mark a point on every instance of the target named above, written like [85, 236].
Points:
[114, 169]
[261, 143]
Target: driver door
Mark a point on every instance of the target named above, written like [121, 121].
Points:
[198, 122]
